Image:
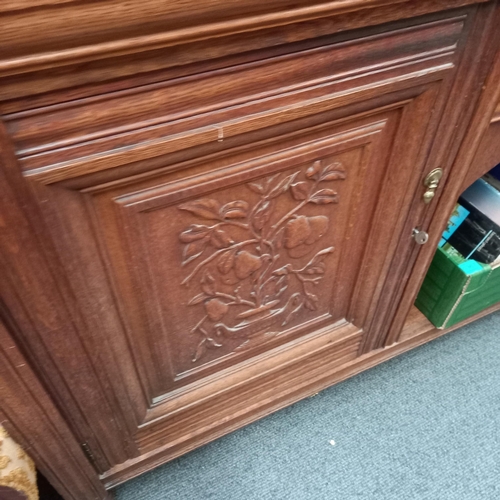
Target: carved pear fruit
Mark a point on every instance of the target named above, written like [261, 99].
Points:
[319, 226]
[297, 231]
[245, 264]
[216, 309]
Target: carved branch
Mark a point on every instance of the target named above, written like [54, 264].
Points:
[256, 268]
[292, 212]
[287, 216]
[235, 300]
[198, 325]
[212, 257]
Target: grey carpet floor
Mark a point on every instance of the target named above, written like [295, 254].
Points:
[425, 425]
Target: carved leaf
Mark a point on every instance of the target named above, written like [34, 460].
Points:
[212, 343]
[225, 261]
[313, 170]
[296, 302]
[319, 269]
[193, 250]
[193, 233]
[270, 180]
[245, 264]
[281, 285]
[278, 239]
[282, 282]
[200, 350]
[234, 210]
[319, 256]
[261, 215]
[205, 207]
[324, 196]
[208, 283]
[216, 309]
[311, 301]
[197, 299]
[282, 186]
[220, 239]
[268, 289]
[281, 271]
[333, 172]
[300, 190]
[256, 188]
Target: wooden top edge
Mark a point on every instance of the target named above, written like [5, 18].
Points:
[124, 46]
[31, 60]
[16, 5]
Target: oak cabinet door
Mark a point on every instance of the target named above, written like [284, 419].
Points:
[222, 243]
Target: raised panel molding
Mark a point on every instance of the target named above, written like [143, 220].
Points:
[154, 221]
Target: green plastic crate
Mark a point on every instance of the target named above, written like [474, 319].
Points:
[456, 289]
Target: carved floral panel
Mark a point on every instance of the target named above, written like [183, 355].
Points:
[243, 259]
[239, 257]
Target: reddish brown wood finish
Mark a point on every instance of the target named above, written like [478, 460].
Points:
[78, 32]
[207, 214]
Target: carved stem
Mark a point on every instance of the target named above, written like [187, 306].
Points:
[297, 208]
[289, 214]
[236, 300]
[250, 218]
[198, 325]
[259, 286]
[303, 280]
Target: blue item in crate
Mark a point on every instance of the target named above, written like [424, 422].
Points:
[457, 217]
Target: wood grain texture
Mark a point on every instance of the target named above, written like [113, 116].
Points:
[50, 441]
[41, 306]
[119, 241]
[33, 87]
[64, 141]
[14, 5]
[207, 212]
[76, 25]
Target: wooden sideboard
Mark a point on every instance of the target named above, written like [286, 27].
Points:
[208, 209]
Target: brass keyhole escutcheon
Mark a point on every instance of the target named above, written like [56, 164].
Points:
[431, 182]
